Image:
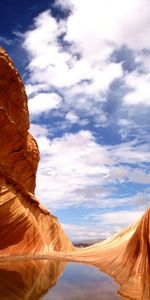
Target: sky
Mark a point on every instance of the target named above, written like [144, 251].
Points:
[86, 69]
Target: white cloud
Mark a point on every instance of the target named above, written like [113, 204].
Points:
[140, 92]
[75, 167]
[140, 176]
[124, 217]
[89, 232]
[37, 130]
[37, 39]
[67, 165]
[101, 77]
[52, 65]
[130, 153]
[137, 175]
[72, 117]
[123, 122]
[108, 24]
[126, 127]
[43, 102]
[32, 89]
[76, 171]
[83, 69]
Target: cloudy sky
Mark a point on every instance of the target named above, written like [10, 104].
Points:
[86, 69]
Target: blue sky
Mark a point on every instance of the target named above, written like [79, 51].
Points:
[86, 69]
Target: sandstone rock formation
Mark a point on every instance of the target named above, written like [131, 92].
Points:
[125, 256]
[28, 229]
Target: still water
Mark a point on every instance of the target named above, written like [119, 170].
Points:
[53, 280]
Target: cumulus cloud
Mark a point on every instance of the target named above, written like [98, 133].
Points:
[75, 170]
[68, 164]
[53, 65]
[76, 60]
[72, 117]
[139, 89]
[43, 103]
[37, 130]
[111, 23]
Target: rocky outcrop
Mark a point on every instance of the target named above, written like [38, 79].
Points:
[127, 259]
[125, 256]
[26, 227]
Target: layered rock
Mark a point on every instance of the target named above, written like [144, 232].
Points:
[125, 256]
[26, 227]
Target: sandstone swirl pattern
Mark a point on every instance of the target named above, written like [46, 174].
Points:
[28, 229]
[25, 226]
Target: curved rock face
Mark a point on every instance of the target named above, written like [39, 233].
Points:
[125, 256]
[19, 153]
[25, 226]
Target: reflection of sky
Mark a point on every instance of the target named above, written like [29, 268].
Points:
[80, 282]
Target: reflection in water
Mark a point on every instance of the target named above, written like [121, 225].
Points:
[36, 279]
[83, 282]
[29, 279]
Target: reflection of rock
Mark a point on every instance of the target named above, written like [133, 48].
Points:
[83, 282]
[28, 280]
[25, 226]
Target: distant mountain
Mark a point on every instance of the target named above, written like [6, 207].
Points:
[86, 243]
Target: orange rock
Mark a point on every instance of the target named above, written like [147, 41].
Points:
[25, 226]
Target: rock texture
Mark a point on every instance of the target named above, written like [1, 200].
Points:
[125, 256]
[28, 229]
